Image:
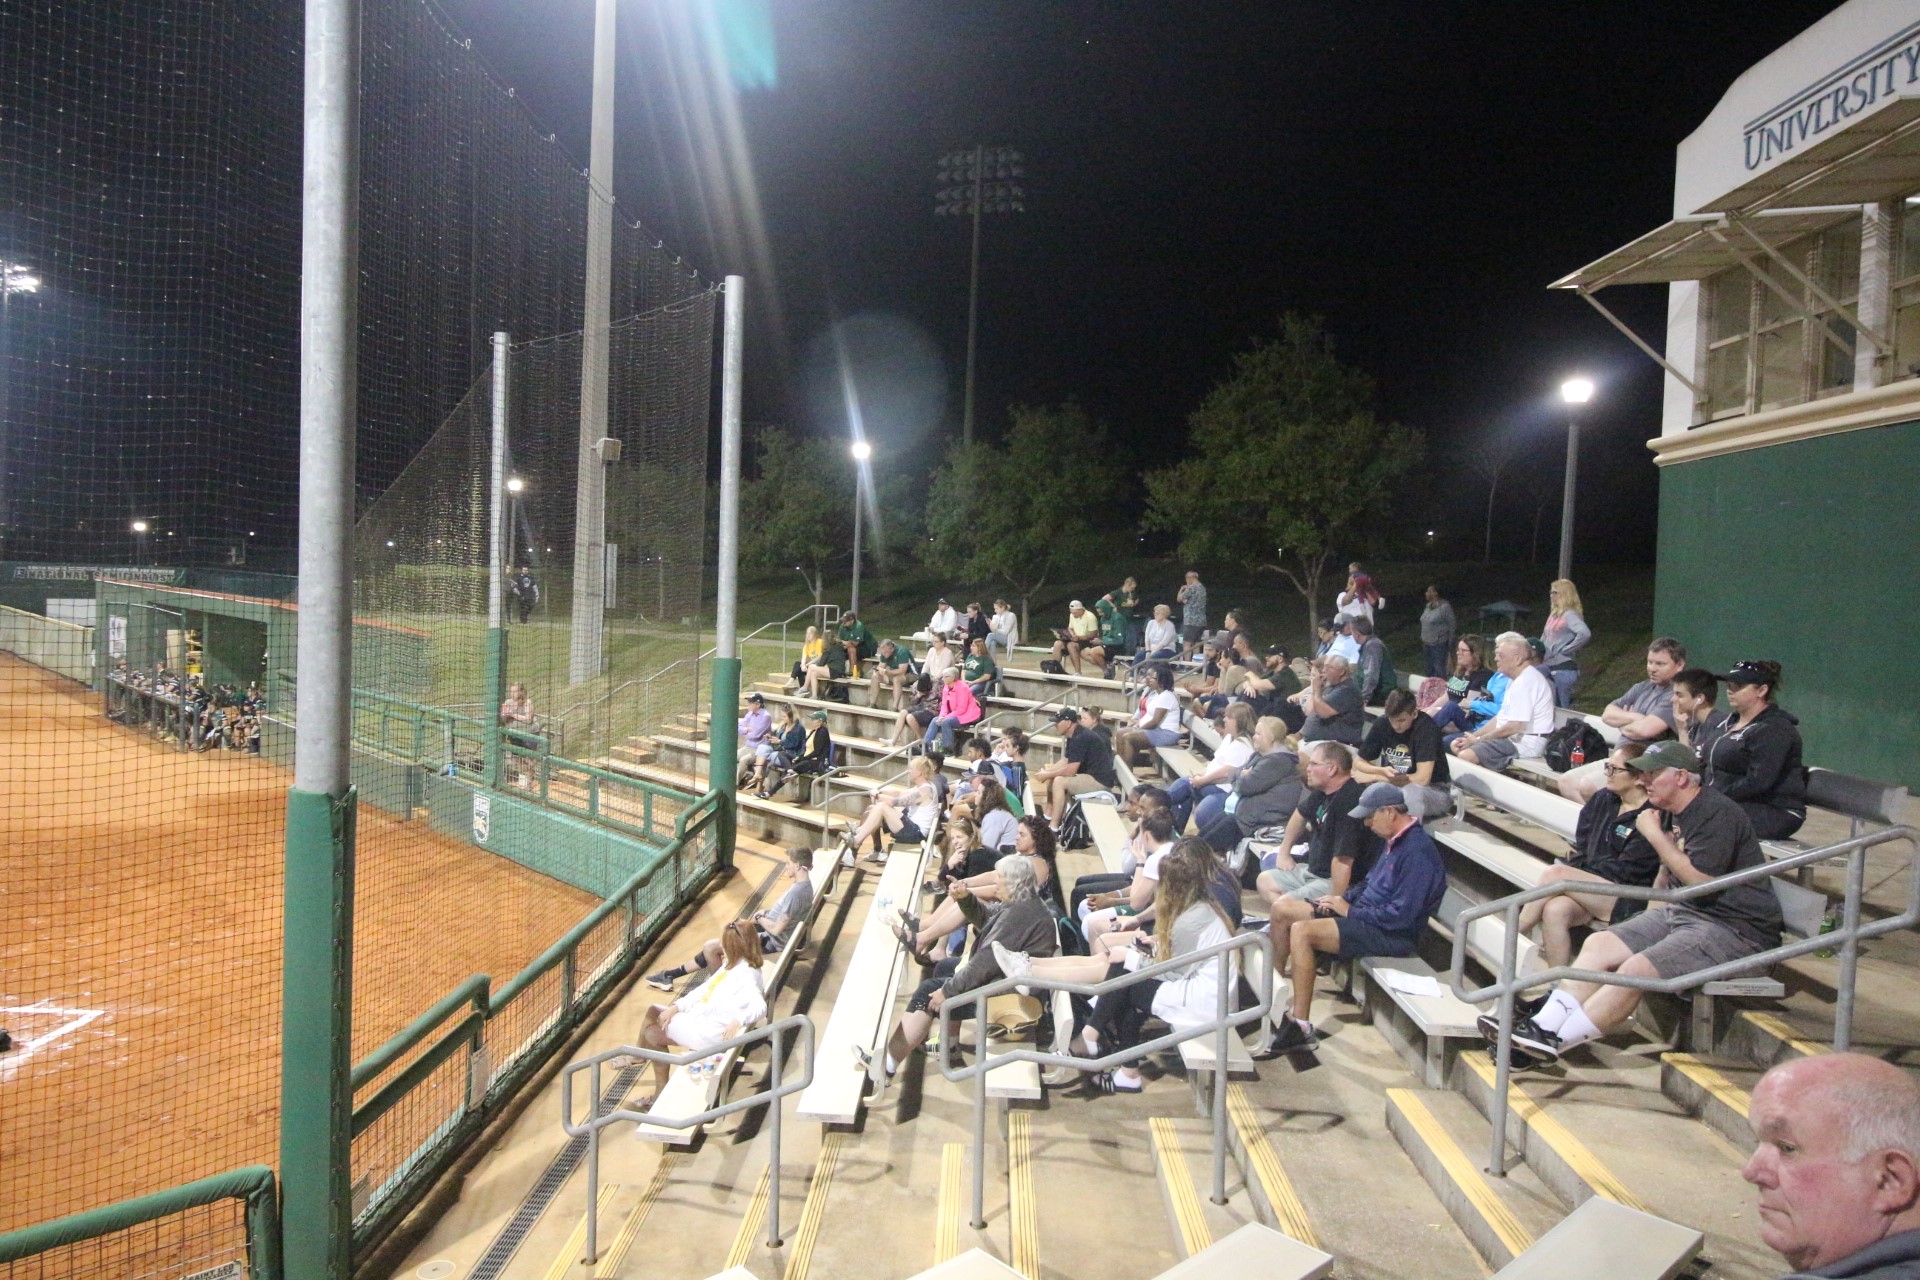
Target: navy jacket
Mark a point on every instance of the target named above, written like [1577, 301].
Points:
[1404, 886]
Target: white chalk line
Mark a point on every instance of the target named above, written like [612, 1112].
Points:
[23, 1050]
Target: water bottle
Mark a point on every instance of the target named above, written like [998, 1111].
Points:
[1828, 925]
[1578, 756]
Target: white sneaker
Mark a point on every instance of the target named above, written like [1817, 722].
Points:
[1013, 964]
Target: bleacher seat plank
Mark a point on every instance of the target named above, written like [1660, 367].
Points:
[1438, 1019]
[1512, 864]
[1197, 1055]
[1254, 1252]
[1554, 813]
[1014, 1081]
[1109, 833]
[1181, 762]
[974, 1264]
[1602, 1238]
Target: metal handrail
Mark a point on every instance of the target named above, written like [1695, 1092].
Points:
[1847, 937]
[777, 1087]
[1219, 1026]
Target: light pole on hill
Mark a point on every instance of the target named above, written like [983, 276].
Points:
[982, 181]
[1574, 392]
[862, 452]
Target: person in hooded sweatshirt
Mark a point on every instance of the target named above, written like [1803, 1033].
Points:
[1756, 760]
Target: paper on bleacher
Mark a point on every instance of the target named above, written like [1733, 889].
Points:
[1413, 984]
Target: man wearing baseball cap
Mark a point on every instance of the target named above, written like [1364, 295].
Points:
[1668, 940]
[1086, 764]
[1383, 916]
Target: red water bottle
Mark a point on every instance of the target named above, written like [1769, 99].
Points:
[1578, 755]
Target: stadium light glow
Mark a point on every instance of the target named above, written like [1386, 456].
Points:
[862, 451]
[1576, 390]
[140, 526]
[18, 278]
[516, 485]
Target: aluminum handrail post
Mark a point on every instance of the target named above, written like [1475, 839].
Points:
[979, 1110]
[1503, 1067]
[1849, 950]
[1220, 1084]
[773, 1140]
[593, 1169]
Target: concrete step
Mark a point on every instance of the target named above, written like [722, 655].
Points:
[1183, 1157]
[1446, 1140]
[775, 821]
[1714, 1090]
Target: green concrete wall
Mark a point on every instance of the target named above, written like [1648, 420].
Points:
[1804, 553]
[578, 853]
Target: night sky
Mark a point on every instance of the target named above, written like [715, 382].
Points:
[1415, 173]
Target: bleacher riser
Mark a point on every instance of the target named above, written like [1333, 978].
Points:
[1041, 687]
[860, 721]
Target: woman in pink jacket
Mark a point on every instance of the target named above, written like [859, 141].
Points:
[958, 709]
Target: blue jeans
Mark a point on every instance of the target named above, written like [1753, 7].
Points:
[1564, 678]
[1453, 715]
[1436, 655]
[941, 731]
[1215, 825]
[995, 640]
[1182, 797]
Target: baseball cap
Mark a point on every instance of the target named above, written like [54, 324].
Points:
[1745, 672]
[754, 697]
[1065, 714]
[1076, 605]
[817, 715]
[1538, 646]
[1665, 755]
[1379, 795]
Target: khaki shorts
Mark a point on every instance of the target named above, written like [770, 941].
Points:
[1077, 783]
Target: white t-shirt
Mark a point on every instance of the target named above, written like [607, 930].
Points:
[1346, 647]
[1162, 634]
[1234, 753]
[1168, 701]
[1006, 624]
[943, 622]
[1350, 606]
[1529, 699]
[1151, 867]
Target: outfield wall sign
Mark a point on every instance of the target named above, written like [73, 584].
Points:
[89, 572]
[482, 817]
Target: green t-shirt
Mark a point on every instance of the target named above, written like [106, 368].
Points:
[858, 635]
[835, 660]
[975, 668]
[1113, 624]
[894, 661]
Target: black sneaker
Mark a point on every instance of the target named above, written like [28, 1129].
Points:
[1523, 1057]
[1289, 1038]
[662, 981]
[1544, 1045]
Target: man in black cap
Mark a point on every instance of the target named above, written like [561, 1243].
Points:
[1086, 764]
[1668, 940]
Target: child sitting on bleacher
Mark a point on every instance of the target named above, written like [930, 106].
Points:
[773, 924]
[719, 1009]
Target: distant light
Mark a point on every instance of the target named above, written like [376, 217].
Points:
[18, 279]
[1576, 390]
[249, 533]
[169, 533]
[389, 541]
[862, 451]
[515, 484]
[1429, 533]
[140, 526]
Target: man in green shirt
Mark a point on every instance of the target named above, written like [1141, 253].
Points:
[892, 668]
[979, 669]
[854, 637]
[1113, 629]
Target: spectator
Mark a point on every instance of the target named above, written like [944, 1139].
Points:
[1192, 599]
[1130, 905]
[773, 925]
[811, 649]
[1081, 636]
[1269, 689]
[1010, 761]
[1033, 842]
[1436, 631]
[1239, 662]
[823, 676]
[964, 857]
[719, 1009]
[1231, 756]
[892, 668]
[1608, 847]
[908, 813]
[1021, 920]
[1384, 916]
[1003, 630]
[1357, 599]
[521, 728]
[1836, 1157]
[779, 752]
[997, 823]
[1133, 609]
[1332, 704]
[944, 622]
[1143, 800]
[1263, 794]
[1114, 643]
[1403, 747]
[854, 637]
[1565, 635]
[1644, 713]
[517, 711]
[1471, 698]
[1086, 764]
[940, 656]
[1325, 849]
[979, 670]
[918, 714]
[526, 593]
[756, 730]
[1326, 635]
[1345, 643]
[1205, 682]
[1667, 940]
[973, 626]
[1520, 727]
[958, 710]
[816, 759]
[1373, 673]
[1162, 638]
[1156, 722]
[1756, 759]
[1697, 722]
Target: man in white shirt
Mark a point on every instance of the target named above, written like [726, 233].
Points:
[1520, 727]
[944, 621]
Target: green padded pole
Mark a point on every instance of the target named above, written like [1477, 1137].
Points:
[496, 678]
[724, 760]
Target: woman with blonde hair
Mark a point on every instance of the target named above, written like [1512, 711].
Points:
[812, 649]
[1565, 635]
[720, 1008]
[908, 814]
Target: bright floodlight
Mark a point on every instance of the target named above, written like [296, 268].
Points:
[516, 484]
[139, 526]
[15, 278]
[862, 451]
[1576, 391]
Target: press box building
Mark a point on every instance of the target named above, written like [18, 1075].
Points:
[1789, 445]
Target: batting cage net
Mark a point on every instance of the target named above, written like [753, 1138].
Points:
[149, 407]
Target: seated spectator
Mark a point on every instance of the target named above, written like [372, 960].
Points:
[1403, 747]
[944, 623]
[1325, 849]
[854, 637]
[756, 732]
[1033, 842]
[521, 729]
[919, 713]
[1696, 720]
[717, 1010]
[810, 650]
[1373, 673]
[1238, 661]
[997, 822]
[816, 759]
[1520, 727]
[940, 656]
[1079, 639]
[1010, 760]
[1384, 916]
[1203, 683]
[1326, 632]
[1836, 1157]
[1667, 940]
[1131, 906]
[1465, 684]
[1162, 637]
[822, 675]
[1113, 632]
[780, 751]
[1135, 807]
[1755, 760]
[1436, 632]
[1565, 635]
[892, 668]
[1270, 690]
[1156, 721]
[1607, 846]
[973, 626]
[1334, 711]
[1263, 794]
[964, 856]
[1232, 755]
[1021, 920]
[773, 925]
[1345, 644]
[1003, 630]
[1086, 764]
[908, 814]
[959, 709]
[1644, 713]
[979, 669]
[1192, 599]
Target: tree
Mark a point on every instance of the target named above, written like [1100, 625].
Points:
[1285, 462]
[798, 509]
[1489, 461]
[1018, 511]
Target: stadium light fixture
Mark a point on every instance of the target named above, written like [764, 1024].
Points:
[16, 277]
[862, 451]
[1573, 393]
[516, 485]
[140, 526]
[862, 454]
[974, 182]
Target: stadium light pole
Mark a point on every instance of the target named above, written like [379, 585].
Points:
[15, 277]
[983, 183]
[1574, 392]
[862, 453]
[586, 650]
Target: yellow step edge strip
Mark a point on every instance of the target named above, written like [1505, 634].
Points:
[630, 1230]
[1724, 1090]
[1461, 1171]
[1288, 1209]
[1776, 1026]
[815, 1208]
[1022, 1214]
[1576, 1154]
[577, 1238]
[946, 1226]
[1174, 1174]
[748, 1235]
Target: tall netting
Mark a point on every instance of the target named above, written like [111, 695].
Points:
[149, 671]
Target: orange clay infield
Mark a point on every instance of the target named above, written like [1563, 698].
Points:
[140, 906]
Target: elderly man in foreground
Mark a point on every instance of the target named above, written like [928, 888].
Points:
[1836, 1157]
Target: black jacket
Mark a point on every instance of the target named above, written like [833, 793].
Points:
[1760, 764]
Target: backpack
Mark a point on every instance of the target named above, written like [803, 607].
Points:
[1573, 744]
[1052, 668]
[1075, 833]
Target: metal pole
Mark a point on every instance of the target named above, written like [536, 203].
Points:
[1503, 1063]
[1220, 1085]
[979, 1116]
[585, 650]
[1566, 496]
[317, 993]
[723, 770]
[773, 1143]
[593, 1169]
[497, 531]
[1849, 950]
[857, 513]
[973, 293]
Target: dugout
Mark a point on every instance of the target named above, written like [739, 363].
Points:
[1790, 431]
